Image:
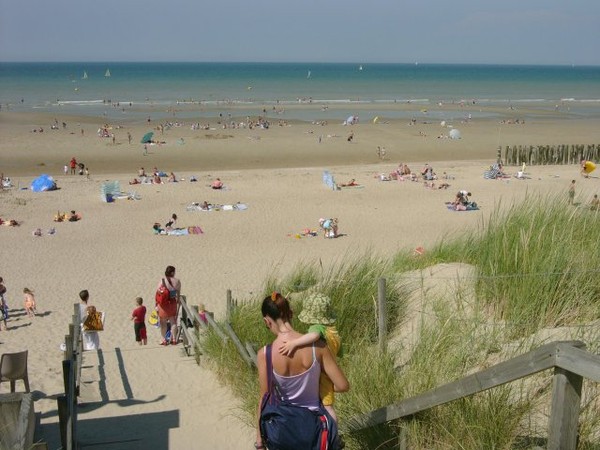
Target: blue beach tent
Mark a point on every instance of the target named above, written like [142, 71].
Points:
[43, 183]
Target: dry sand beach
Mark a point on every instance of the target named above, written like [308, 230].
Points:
[156, 397]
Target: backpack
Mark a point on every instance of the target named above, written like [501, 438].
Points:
[284, 426]
[162, 296]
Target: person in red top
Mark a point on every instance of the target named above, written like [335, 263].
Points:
[139, 321]
[73, 165]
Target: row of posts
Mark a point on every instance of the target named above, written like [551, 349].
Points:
[549, 154]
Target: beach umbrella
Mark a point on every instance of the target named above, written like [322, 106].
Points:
[147, 137]
[43, 183]
[589, 167]
[454, 134]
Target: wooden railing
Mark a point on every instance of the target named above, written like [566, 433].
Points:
[67, 403]
[570, 361]
[190, 322]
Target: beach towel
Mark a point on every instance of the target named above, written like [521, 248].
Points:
[306, 232]
[355, 186]
[183, 231]
[217, 207]
[470, 207]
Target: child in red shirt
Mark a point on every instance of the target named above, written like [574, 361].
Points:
[139, 321]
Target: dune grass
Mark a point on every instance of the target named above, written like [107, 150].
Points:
[537, 266]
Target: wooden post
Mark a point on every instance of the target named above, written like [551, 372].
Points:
[564, 418]
[229, 306]
[402, 438]
[63, 412]
[68, 353]
[381, 314]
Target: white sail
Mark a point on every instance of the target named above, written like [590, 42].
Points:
[107, 74]
[84, 77]
[360, 67]
[308, 76]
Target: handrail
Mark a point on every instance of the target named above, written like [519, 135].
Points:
[72, 362]
[569, 360]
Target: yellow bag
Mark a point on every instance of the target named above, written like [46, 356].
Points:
[93, 321]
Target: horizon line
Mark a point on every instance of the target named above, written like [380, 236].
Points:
[414, 63]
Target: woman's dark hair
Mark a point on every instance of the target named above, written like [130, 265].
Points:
[276, 306]
[170, 271]
[84, 295]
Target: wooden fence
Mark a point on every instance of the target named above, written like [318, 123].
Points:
[516, 155]
[67, 403]
[569, 361]
[190, 323]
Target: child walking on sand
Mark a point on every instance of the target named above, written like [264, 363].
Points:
[572, 193]
[139, 321]
[29, 302]
[317, 313]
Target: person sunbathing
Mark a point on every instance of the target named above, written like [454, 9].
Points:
[217, 184]
[350, 183]
[60, 217]
[134, 181]
[73, 217]
[462, 198]
[157, 228]
[172, 178]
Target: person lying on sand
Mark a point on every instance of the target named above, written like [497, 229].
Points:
[350, 183]
[217, 184]
[9, 223]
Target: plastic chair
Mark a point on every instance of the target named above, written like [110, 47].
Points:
[13, 367]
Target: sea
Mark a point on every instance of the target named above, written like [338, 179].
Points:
[331, 90]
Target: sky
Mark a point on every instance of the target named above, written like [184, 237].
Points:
[365, 31]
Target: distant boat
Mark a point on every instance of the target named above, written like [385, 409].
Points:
[308, 75]
[360, 67]
[84, 77]
[107, 74]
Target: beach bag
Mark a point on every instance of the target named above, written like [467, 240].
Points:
[284, 426]
[93, 321]
[162, 294]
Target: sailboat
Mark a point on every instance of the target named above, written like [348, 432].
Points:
[107, 74]
[308, 75]
[360, 67]
[84, 77]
